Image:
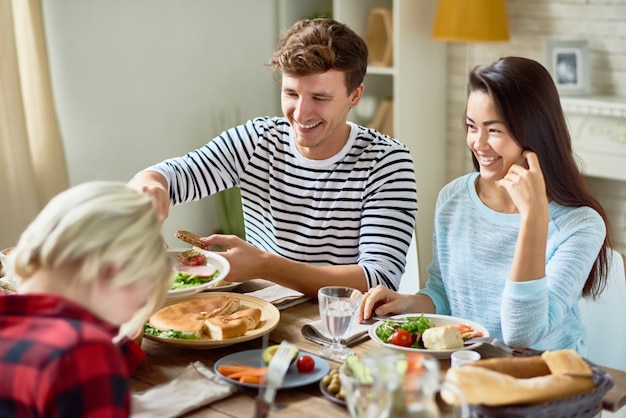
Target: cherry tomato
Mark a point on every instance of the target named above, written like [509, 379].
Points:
[305, 364]
[402, 338]
[191, 258]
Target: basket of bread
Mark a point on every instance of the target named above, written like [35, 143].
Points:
[553, 384]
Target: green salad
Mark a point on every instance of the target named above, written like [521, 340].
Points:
[185, 280]
[170, 333]
[389, 330]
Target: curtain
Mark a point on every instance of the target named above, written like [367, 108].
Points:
[32, 160]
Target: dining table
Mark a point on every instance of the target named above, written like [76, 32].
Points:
[164, 362]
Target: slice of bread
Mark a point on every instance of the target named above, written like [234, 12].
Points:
[230, 326]
[442, 338]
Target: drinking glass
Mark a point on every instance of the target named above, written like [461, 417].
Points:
[370, 391]
[338, 307]
[398, 384]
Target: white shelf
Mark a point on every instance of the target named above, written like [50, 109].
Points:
[608, 106]
[598, 134]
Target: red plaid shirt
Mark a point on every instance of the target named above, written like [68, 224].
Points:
[58, 360]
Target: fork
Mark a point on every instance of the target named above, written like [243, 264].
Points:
[490, 340]
[275, 374]
[375, 318]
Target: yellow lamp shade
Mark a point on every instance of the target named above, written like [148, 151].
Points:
[471, 21]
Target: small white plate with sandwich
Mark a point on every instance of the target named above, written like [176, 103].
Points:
[436, 335]
[197, 270]
[209, 320]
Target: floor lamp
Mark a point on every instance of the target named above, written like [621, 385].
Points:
[471, 21]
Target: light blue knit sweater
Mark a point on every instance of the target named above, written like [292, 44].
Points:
[473, 248]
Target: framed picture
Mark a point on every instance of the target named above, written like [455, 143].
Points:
[568, 62]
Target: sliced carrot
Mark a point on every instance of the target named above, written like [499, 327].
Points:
[227, 370]
[234, 363]
[255, 380]
[255, 371]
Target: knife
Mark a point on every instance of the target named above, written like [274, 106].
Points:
[311, 334]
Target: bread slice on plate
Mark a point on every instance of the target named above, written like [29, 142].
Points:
[230, 326]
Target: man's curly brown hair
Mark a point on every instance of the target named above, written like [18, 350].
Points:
[314, 46]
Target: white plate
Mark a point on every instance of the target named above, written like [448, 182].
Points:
[213, 259]
[292, 379]
[437, 320]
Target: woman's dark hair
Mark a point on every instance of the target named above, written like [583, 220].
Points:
[313, 46]
[525, 95]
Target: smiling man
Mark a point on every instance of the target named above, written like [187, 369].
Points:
[326, 201]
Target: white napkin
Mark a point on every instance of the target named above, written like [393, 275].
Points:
[194, 387]
[280, 296]
[357, 333]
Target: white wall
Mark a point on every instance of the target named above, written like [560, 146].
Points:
[137, 81]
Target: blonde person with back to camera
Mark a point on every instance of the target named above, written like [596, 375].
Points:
[518, 242]
[91, 268]
[325, 201]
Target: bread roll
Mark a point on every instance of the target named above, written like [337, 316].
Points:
[488, 387]
[442, 338]
[566, 362]
[503, 381]
[519, 367]
[189, 316]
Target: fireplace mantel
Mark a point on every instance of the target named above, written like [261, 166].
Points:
[598, 128]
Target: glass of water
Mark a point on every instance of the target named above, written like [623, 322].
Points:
[338, 308]
[370, 383]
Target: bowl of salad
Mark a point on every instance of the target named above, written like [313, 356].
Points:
[196, 270]
[404, 332]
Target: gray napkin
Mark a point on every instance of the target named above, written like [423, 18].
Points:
[280, 296]
[316, 331]
[194, 387]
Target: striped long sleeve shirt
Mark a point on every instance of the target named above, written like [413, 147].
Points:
[356, 207]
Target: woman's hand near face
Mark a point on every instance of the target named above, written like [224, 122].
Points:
[526, 185]
[527, 189]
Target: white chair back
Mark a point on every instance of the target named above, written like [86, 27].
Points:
[605, 319]
[410, 281]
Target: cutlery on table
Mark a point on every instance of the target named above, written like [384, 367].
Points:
[491, 341]
[310, 333]
[275, 374]
[375, 318]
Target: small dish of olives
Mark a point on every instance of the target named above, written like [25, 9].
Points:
[330, 386]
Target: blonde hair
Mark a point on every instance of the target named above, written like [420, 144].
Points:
[95, 225]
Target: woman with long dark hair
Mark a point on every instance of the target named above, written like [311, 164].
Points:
[519, 241]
